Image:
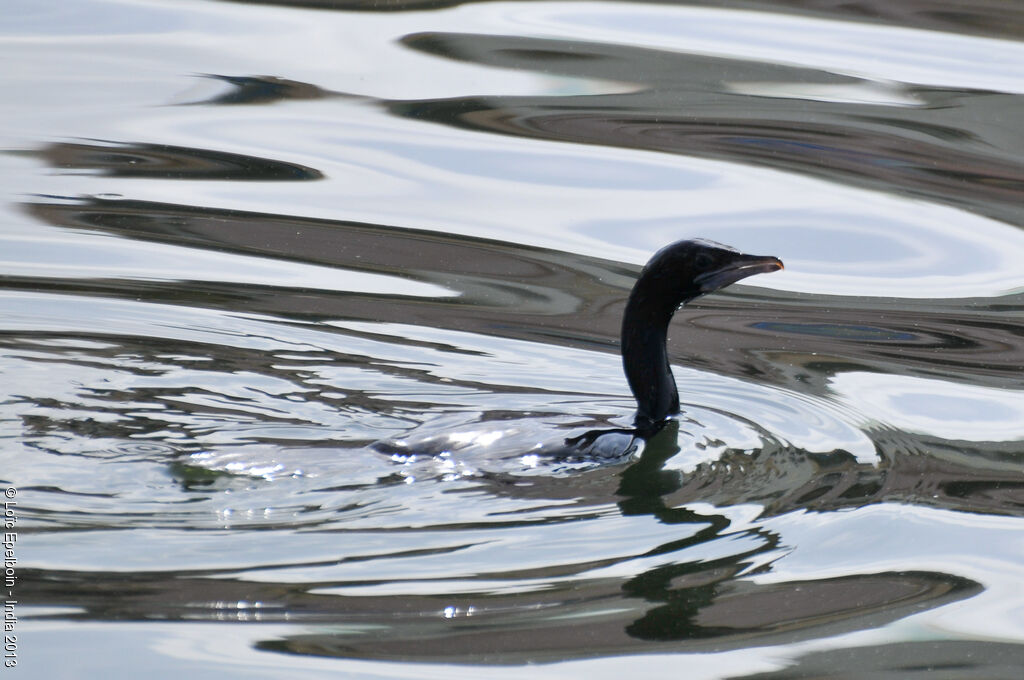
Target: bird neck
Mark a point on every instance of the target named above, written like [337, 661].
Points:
[645, 358]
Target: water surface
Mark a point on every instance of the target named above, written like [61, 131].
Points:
[244, 243]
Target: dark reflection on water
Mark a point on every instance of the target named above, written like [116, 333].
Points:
[725, 109]
[945, 146]
[714, 616]
[515, 291]
[686, 608]
[169, 162]
[263, 90]
[967, 660]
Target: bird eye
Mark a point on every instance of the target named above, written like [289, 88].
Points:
[702, 261]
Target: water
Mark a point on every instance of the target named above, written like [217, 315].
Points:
[244, 242]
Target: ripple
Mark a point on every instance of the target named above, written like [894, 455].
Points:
[144, 449]
[254, 242]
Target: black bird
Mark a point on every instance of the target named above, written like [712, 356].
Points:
[675, 275]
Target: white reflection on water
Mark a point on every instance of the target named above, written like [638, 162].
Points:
[939, 407]
[880, 538]
[861, 243]
[614, 203]
[92, 256]
[863, 92]
[881, 52]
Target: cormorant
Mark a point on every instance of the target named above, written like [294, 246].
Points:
[675, 275]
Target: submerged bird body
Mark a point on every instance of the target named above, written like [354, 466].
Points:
[675, 275]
